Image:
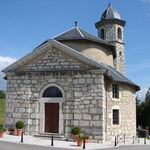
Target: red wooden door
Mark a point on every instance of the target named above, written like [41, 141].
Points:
[51, 117]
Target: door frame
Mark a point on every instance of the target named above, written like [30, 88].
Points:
[42, 102]
[42, 113]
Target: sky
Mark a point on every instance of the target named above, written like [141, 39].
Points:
[25, 24]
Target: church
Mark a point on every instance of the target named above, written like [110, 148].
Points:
[75, 79]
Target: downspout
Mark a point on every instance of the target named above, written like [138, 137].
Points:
[106, 113]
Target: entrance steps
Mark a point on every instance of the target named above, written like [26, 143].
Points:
[49, 136]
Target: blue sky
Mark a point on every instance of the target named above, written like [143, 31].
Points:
[24, 24]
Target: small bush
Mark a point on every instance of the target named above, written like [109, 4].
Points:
[2, 128]
[19, 125]
[76, 131]
[2, 94]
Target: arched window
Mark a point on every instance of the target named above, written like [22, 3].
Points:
[102, 34]
[52, 92]
[119, 33]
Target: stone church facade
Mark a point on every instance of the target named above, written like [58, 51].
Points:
[75, 79]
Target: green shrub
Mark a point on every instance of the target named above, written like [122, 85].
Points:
[2, 111]
[19, 125]
[76, 131]
[2, 128]
[2, 94]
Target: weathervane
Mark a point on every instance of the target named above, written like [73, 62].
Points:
[109, 2]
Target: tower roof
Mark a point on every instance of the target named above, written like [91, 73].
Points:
[110, 13]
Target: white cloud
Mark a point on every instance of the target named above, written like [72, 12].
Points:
[4, 62]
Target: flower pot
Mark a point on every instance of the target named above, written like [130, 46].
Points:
[74, 138]
[1, 134]
[19, 132]
[79, 142]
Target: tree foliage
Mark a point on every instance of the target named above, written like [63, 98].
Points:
[143, 113]
[2, 94]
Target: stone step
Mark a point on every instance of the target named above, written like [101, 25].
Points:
[49, 135]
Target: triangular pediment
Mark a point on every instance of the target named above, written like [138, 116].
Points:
[53, 60]
[52, 55]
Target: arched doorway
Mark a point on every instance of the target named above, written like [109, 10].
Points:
[52, 110]
[50, 105]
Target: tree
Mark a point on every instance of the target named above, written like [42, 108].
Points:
[2, 94]
[147, 94]
[143, 113]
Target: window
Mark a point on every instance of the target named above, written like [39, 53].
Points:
[119, 33]
[115, 91]
[102, 34]
[52, 92]
[115, 116]
[120, 53]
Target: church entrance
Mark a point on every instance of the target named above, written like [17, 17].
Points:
[52, 94]
[52, 117]
[51, 103]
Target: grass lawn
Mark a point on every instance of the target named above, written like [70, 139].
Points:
[2, 111]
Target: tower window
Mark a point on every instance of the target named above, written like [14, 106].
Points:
[120, 53]
[115, 116]
[115, 91]
[102, 34]
[119, 33]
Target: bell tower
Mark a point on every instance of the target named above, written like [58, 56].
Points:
[111, 29]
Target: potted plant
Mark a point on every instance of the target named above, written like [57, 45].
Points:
[75, 132]
[2, 130]
[11, 131]
[19, 126]
[79, 139]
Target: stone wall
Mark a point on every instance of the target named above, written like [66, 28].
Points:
[120, 59]
[82, 107]
[111, 35]
[127, 112]
[93, 50]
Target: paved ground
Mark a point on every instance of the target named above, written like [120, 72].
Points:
[12, 142]
[135, 147]
[47, 142]
[16, 146]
